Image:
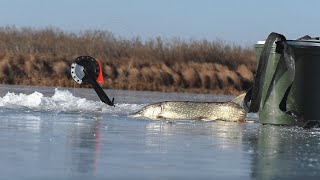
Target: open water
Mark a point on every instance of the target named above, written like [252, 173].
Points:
[59, 133]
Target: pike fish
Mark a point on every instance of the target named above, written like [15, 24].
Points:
[234, 110]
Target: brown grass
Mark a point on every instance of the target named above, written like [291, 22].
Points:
[42, 57]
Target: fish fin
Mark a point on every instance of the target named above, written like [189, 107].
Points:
[242, 117]
[251, 121]
[239, 99]
[161, 117]
[206, 119]
[241, 121]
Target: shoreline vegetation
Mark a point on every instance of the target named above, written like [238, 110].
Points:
[42, 57]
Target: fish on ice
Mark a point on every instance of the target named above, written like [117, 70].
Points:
[234, 110]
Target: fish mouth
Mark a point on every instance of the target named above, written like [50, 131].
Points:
[135, 114]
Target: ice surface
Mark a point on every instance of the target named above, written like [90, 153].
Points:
[39, 142]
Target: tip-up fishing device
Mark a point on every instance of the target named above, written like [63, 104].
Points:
[86, 70]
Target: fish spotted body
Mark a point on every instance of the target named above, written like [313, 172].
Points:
[206, 111]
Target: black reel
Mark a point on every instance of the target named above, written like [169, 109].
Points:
[85, 70]
[81, 63]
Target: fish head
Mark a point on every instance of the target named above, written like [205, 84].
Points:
[151, 111]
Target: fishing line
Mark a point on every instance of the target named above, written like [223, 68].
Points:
[74, 88]
[87, 70]
[100, 31]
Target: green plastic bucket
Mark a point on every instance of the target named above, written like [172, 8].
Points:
[284, 102]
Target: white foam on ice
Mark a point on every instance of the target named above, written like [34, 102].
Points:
[62, 100]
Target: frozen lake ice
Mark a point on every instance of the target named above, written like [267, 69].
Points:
[60, 133]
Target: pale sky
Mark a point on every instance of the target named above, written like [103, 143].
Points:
[237, 21]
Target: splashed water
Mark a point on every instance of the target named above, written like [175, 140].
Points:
[61, 101]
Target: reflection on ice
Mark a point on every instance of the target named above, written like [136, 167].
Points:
[284, 151]
[42, 140]
[226, 136]
[85, 145]
[157, 136]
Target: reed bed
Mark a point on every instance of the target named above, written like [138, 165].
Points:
[30, 56]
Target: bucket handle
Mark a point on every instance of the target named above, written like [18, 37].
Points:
[253, 96]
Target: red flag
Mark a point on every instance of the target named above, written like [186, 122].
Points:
[100, 77]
